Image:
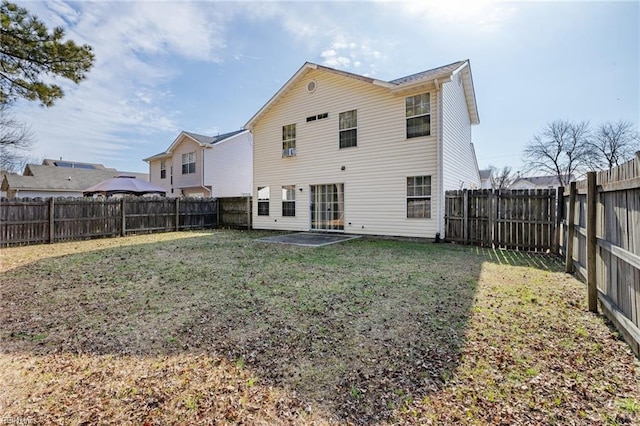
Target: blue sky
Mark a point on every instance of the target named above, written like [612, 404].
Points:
[208, 66]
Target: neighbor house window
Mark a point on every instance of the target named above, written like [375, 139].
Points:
[419, 197]
[263, 201]
[289, 200]
[163, 169]
[189, 163]
[348, 129]
[289, 140]
[418, 112]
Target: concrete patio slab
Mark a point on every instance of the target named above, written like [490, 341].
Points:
[308, 239]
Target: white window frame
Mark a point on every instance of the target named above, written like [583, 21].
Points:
[263, 199]
[417, 190]
[417, 106]
[288, 197]
[342, 122]
[289, 140]
[189, 160]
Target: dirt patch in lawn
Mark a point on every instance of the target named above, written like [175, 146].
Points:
[220, 328]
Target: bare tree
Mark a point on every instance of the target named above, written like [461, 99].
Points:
[614, 143]
[502, 178]
[562, 149]
[16, 141]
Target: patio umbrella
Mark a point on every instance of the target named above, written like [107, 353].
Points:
[124, 185]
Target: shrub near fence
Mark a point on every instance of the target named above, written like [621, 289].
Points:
[37, 221]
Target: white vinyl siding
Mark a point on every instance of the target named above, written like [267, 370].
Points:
[181, 180]
[154, 174]
[374, 175]
[228, 166]
[459, 163]
[224, 169]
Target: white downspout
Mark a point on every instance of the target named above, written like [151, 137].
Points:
[439, 161]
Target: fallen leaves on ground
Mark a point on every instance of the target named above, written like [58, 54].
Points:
[216, 328]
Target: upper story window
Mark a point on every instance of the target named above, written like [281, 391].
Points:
[348, 129]
[188, 163]
[289, 140]
[289, 200]
[418, 113]
[163, 169]
[419, 197]
[263, 201]
[318, 117]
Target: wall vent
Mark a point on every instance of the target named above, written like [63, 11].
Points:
[311, 86]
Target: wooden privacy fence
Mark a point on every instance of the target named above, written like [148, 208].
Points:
[601, 242]
[37, 221]
[234, 212]
[514, 219]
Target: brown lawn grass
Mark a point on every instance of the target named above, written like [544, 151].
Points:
[216, 328]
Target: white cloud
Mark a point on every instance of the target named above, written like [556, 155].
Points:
[138, 47]
[346, 54]
[483, 15]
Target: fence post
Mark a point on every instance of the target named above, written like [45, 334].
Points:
[177, 214]
[592, 287]
[571, 231]
[492, 218]
[559, 209]
[465, 216]
[496, 219]
[51, 221]
[123, 229]
[248, 213]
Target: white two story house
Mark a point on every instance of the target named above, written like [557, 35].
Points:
[205, 166]
[336, 151]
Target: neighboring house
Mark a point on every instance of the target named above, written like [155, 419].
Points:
[205, 166]
[336, 151]
[486, 179]
[58, 178]
[539, 182]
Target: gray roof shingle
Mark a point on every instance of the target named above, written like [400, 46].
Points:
[426, 75]
[52, 178]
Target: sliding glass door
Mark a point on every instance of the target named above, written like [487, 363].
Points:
[327, 207]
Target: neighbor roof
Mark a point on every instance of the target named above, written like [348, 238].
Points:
[38, 177]
[203, 140]
[73, 164]
[407, 82]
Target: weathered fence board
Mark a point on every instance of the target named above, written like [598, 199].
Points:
[37, 221]
[513, 219]
[612, 272]
[234, 212]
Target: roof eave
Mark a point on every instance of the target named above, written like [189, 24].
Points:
[157, 157]
[469, 91]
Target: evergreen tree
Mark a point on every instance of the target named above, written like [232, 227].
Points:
[31, 56]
